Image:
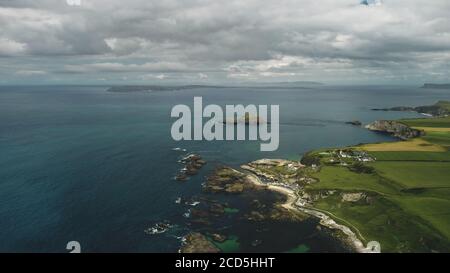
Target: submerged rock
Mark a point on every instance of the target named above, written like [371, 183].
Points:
[255, 216]
[200, 221]
[257, 204]
[181, 177]
[199, 213]
[217, 209]
[256, 242]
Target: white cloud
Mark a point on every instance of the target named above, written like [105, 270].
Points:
[31, 72]
[11, 48]
[202, 76]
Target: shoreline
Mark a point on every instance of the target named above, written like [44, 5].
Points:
[292, 203]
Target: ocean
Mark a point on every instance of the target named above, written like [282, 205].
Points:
[78, 163]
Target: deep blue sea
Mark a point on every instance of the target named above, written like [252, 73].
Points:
[79, 163]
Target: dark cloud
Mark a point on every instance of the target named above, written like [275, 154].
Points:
[221, 40]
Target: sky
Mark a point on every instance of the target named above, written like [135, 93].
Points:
[224, 42]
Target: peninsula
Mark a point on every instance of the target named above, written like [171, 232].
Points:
[394, 193]
[439, 109]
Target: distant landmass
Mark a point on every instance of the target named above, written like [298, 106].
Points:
[298, 83]
[439, 109]
[286, 85]
[159, 88]
[153, 88]
[436, 86]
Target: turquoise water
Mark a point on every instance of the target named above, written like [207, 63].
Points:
[79, 163]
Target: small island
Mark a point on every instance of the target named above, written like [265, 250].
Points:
[354, 123]
[247, 119]
[192, 164]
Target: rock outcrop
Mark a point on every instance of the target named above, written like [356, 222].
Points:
[395, 128]
[247, 119]
[197, 243]
[354, 122]
[192, 164]
[228, 180]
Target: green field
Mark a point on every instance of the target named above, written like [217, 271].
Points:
[428, 122]
[340, 178]
[386, 221]
[415, 174]
[439, 138]
[407, 195]
[411, 145]
[444, 104]
[411, 156]
[435, 211]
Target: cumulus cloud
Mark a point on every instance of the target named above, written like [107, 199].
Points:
[250, 40]
[11, 48]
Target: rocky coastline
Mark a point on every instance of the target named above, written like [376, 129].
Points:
[291, 179]
[192, 164]
[299, 201]
[395, 129]
[284, 177]
[196, 242]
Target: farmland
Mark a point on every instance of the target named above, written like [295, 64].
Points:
[404, 191]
